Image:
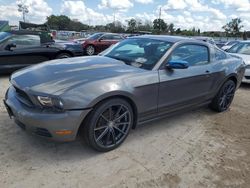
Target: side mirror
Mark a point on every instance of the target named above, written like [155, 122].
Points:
[9, 46]
[177, 64]
[100, 39]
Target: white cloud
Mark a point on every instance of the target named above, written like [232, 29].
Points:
[239, 5]
[118, 5]
[175, 4]
[38, 11]
[78, 10]
[10, 13]
[144, 1]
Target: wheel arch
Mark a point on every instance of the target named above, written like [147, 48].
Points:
[90, 44]
[64, 51]
[232, 77]
[105, 98]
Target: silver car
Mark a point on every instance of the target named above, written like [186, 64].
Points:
[137, 80]
[242, 50]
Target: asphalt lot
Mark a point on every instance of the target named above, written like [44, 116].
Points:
[196, 149]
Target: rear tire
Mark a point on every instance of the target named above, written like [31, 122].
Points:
[224, 97]
[63, 56]
[108, 125]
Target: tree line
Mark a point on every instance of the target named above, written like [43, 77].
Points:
[158, 26]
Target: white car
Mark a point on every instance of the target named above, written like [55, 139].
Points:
[229, 44]
[242, 49]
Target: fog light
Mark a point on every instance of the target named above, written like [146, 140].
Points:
[64, 132]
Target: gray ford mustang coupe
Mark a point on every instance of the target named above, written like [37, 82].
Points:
[137, 80]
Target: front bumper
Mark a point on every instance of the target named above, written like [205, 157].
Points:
[246, 78]
[50, 125]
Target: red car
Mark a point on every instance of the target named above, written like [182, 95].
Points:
[98, 42]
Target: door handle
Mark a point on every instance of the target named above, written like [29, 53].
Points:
[207, 71]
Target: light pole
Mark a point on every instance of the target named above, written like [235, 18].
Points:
[24, 9]
[160, 19]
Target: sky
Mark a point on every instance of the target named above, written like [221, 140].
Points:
[207, 15]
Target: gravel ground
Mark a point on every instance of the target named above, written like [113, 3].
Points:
[195, 149]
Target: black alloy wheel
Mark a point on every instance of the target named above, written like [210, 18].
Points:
[109, 124]
[225, 96]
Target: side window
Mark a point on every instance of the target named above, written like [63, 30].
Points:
[192, 53]
[117, 37]
[25, 41]
[107, 37]
[219, 55]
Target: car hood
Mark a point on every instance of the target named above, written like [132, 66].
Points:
[246, 58]
[58, 76]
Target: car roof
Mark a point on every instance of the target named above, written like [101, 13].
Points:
[245, 41]
[201, 37]
[167, 38]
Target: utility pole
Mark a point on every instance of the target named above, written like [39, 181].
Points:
[114, 16]
[23, 9]
[159, 20]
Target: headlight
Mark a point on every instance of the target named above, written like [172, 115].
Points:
[50, 102]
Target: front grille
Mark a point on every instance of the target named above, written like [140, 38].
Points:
[23, 97]
[43, 132]
[247, 77]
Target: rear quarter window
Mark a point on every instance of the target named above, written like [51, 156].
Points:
[219, 54]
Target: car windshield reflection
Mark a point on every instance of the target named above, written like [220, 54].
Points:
[141, 53]
[4, 35]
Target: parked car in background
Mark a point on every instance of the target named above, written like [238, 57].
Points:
[242, 49]
[98, 42]
[135, 81]
[220, 43]
[19, 49]
[229, 44]
[206, 39]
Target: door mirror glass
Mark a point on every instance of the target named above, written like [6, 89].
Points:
[177, 64]
[10, 46]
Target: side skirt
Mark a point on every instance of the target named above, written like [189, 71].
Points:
[175, 112]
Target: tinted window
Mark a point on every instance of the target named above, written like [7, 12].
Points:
[23, 41]
[95, 36]
[117, 37]
[219, 54]
[193, 54]
[232, 42]
[241, 48]
[108, 37]
[141, 53]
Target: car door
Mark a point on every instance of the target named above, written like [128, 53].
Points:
[116, 38]
[181, 88]
[24, 50]
[105, 41]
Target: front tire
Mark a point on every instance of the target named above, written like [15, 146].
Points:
[108, 125]
[224, 97]
[63, 56]
[90, 50]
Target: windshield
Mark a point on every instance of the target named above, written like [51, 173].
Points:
[139, 52]
[240, 48]
[4, 35]
[95, 36]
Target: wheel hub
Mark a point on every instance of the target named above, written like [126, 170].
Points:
[111, 124]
